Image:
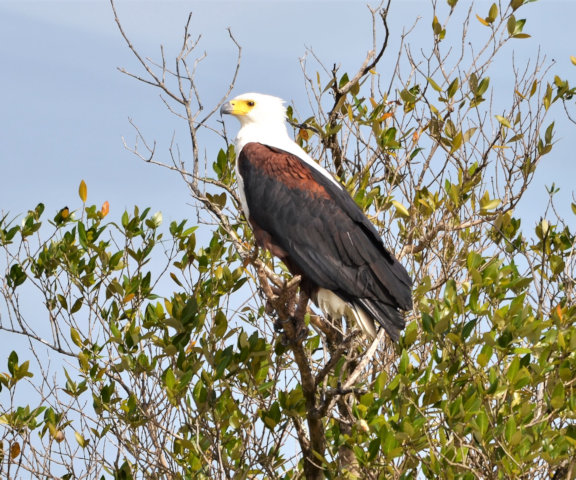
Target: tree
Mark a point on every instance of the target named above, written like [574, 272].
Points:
[211, 379]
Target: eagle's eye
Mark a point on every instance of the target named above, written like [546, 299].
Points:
[251, 103]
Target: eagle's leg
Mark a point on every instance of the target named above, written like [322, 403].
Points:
[291, 309]
[299, 314]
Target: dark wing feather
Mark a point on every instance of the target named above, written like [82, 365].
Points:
[325, 235]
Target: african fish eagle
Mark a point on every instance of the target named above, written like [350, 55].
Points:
[301, 214]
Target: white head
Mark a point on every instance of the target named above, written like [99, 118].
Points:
[256, 108]
[263, 120]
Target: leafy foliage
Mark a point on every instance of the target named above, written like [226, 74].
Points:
[179, 350]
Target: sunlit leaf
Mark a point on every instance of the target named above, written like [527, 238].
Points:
[80, 439]
[482, 21]
[401, 209]
[105, 209]
[434, 85]
[504, 121]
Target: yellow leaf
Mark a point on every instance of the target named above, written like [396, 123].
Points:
[190, 346]
[573, 59]
[482, 21]
[303, 134]
[401, 209]
[503, 121]
[434, 85]
[14, 450]
[128, 297]
[83, 191]
[168, 306]
[491, 205]
[80, 439]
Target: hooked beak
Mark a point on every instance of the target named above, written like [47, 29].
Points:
[227, 108]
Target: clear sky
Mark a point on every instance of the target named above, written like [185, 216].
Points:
[65, 107]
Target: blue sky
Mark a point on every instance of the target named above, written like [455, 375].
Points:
[65, 106]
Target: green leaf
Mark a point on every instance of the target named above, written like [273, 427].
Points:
[482, 422]
[510, 429]
[549, 133]
[404, 363]
[484, 356]
[436, 26]
[12, 362]
[492, 14]
[515, 4]
[456, 142]
[474, 260]
[483, 86]
[511, 24]
[410, 334]
[220, 324]
[170, 379]
[453, 87]
[17, 276]
[558, 395]
[468, 328]
[75, 336]
[513, 369]
[272, 416]
[407, 96]
[77, 305]
[82, 237]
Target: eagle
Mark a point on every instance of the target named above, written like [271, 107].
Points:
[304, 216]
